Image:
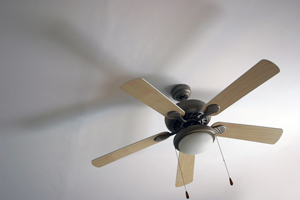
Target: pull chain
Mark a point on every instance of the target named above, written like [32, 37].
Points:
[186, 193]
[230, 180]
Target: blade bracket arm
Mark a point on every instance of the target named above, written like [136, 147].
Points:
[210, 109]
[219, 129]
[163, 136]
[176, 115]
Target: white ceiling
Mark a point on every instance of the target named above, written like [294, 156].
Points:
[62, 63]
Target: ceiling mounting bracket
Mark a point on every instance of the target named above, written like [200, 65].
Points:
[181, 92]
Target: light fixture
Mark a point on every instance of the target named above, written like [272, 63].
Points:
[194, 139]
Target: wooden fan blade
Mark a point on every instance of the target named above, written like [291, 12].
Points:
[257, 75]
[149, 95]
[186, 163]
[250, 133]
[118, 154]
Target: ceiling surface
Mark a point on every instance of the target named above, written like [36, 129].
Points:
[62, 63]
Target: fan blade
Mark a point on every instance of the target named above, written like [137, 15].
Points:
[257, 75]
[186, 164]
[118, 154]
[250, 133]
[149, 95]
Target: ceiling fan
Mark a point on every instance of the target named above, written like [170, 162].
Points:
[188, 120]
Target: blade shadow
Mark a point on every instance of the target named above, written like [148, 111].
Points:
[76, 42]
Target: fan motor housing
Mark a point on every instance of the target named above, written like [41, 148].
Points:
[193, 112]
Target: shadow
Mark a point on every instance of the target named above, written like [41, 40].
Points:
[77, 43]
[180, 23]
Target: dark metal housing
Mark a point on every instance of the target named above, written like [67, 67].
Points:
[193, 113]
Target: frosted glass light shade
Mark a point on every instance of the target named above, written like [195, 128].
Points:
[195, 143]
